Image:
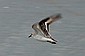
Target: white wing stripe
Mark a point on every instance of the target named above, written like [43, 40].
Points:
[46, 25]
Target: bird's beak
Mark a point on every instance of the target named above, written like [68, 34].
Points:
[30, 36]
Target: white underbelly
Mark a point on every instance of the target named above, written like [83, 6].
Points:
[41, 38]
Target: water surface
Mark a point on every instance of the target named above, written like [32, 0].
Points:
[17, 16]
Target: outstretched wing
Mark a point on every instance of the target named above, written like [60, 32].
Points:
[44, 24]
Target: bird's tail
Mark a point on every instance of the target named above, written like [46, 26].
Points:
[52, 42]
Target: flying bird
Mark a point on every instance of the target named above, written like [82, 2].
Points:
[42, 29]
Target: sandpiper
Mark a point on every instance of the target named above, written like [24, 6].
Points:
[42, 29]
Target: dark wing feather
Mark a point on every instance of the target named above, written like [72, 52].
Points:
[53, 18]
[48, 21]
[43, 26]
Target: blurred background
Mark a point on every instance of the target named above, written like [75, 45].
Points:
[17, 16]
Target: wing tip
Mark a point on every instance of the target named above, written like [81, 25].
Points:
[57, 15]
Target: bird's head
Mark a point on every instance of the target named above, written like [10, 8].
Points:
[30, 35]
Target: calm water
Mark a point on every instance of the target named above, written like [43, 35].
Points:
[17, 16]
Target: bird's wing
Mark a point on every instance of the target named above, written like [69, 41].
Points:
[44, 24]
